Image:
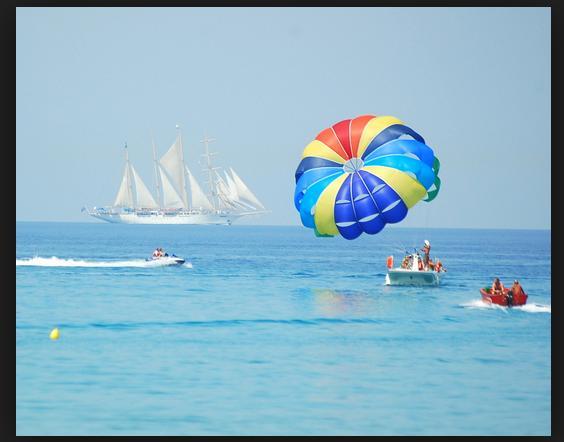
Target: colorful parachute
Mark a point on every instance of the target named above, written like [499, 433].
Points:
[360, 174]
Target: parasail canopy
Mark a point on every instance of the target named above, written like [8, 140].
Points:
[362, 173]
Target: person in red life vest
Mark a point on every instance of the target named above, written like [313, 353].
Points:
[516, 288]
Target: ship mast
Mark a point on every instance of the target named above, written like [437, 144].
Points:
[211, 182]
[128, 168]
[184, 193]
[159, 198]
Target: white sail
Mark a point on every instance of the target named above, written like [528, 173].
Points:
[124, 197]
[171, 198]
[144, 197]
[244, 193]
[223, 193]
[199, 199]
[232, 187]
[172, 162]
[233, 195]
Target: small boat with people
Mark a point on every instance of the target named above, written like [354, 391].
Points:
[415, 269]
[500, 295]
[164, 258]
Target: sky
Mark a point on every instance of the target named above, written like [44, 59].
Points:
[474, 82]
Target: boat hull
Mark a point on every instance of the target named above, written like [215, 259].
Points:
[163, 218]
[519, 299]
[168, 260]
[413, 277]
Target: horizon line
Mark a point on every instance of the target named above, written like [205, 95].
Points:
[298, 226]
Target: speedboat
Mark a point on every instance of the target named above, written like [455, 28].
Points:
[167, 260]
[413, 274]
[508, 299]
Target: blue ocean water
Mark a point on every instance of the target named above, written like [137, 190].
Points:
[270, 330]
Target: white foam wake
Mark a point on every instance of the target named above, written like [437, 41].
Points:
[535, 308]
[478, 303]
[530, 308]
[59, 262]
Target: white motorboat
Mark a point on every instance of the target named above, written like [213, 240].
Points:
[412, 273]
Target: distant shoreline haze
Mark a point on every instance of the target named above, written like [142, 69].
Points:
[126, 226]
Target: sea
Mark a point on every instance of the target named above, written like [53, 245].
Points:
[270, 330]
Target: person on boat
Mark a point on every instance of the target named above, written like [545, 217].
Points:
[156, 253]
[497, 287]
[426, 254]
[516, 289]
[420, 263]
[405, 262]
[439, 266]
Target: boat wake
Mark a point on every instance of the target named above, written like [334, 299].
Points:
[529, 308]
[38, 261]
[534, 308]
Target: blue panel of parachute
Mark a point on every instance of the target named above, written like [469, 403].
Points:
[390, 204]
[310, 177]
[310, 198]
[406, 147]
[421, 171]
[308, 163]
[345, 217]
[365, 203]
[391, 133]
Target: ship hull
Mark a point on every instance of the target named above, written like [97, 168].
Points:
[161, 218]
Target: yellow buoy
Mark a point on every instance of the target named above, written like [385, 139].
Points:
[54, 333]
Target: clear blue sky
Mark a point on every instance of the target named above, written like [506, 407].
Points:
[474, 82]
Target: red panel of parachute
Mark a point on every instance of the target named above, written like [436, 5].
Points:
[357, 126]
[329, 138]
[343, 134]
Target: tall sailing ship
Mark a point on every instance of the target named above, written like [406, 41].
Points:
[180, 199]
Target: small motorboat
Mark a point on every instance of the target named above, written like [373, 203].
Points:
[413, 274]
[507, 299]
[167, 259]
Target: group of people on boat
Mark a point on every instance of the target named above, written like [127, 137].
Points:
[423, 264]
[499, 289]
[159, 253]
[167, 259]
[498, 294]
